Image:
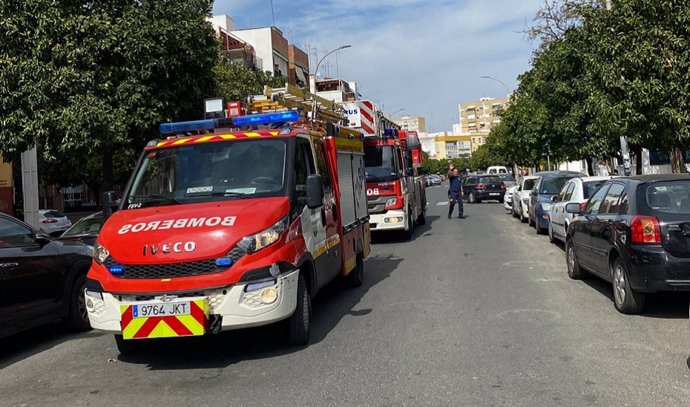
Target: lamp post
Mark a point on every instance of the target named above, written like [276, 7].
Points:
[399, 110]
[315, 105]
[499, 81]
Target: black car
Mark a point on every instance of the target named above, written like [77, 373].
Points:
[85, 230]
[41, 280]
[635, 233]
[547, 186]
[479, 187]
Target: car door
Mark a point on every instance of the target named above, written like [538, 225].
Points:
[31, 281]
[603, 227]
[534, 198]
[581, 229]
[468, 186]
[558, 209]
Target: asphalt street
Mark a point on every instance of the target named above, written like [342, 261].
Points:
[471, 312]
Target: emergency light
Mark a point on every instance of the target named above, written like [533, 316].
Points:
[390, 133]
[116, 269]
[249, 120]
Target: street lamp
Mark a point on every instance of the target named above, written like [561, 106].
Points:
[499, 81]
[315, 105]
[399, 110]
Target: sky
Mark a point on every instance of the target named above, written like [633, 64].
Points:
[423, 56]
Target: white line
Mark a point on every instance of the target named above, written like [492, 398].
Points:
[443, 203]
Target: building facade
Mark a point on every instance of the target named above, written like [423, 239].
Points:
[479, 116]
[412, 123]
[428, 142]
[336, 90]
[298, 67]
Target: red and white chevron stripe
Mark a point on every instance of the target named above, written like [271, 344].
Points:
[366, 110]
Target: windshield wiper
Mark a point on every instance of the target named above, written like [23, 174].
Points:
[154, 197]
[218, 193]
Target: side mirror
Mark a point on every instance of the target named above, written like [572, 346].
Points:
[314, 191]
[109, 204]
[42, 238]
[554, 198]
[573, 208]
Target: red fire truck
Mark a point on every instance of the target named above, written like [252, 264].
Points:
[223, 227]
[396, 197]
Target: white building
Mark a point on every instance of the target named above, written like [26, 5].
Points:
[428, 142]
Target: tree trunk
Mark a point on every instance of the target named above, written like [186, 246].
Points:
[107, 162]
[590, 166]
[637, 151]
[677, 163]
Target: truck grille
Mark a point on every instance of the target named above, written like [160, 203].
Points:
[172, 270]
[378, 204]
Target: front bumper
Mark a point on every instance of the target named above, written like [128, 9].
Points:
[653, 269]
[390, 220]
[229, 307]
[542, 217]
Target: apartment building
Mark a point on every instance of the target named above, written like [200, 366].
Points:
[479, 116]
[411, 123]
[452, 145]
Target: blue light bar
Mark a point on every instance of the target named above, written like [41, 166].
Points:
[391, 133]
[223, 262]
[116, 269]
[266, 118]
[181, 127]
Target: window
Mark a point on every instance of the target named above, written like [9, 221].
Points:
[610, 203]
[13, 234]
[321, 162]
[567, 192]
[528, 184]
[590, 187]
[668, 196]
[304, 166]
[592, 206]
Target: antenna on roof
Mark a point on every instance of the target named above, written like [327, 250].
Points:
[273, 14]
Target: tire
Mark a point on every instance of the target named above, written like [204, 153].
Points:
[530, 222]
[552, 238]
[574, 270]
[521, 215]
[625, 299]
[407, 234]
[128, 347]
[421, 219]
[500, 200]
[356, 277]
[77, 318]
[299, 323]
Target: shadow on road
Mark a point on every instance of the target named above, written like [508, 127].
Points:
[26, 344]
[330, 306]
[667, 305]
[397, 237]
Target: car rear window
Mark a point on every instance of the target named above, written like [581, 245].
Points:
[506, 177]
[529, 184]
[54, 214]
[553, 185]
[590, 187]
[86, 226]
[669, 196]
[490, 180]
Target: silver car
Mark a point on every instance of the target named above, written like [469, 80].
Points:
[577, 190]
[53, 222]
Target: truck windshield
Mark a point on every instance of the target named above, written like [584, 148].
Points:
[209, 172]
[380, 163]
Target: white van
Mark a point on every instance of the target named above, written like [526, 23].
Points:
[497, 169]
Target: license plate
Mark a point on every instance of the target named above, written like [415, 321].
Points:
[494, 194]
[163, 309]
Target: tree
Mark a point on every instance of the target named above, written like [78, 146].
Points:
[556, 17]
[237, 82]
[88, 81]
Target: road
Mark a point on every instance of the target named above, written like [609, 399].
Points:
[471, 312]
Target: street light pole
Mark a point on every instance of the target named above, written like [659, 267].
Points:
[499, 81]
[315, 105]
[399, 110]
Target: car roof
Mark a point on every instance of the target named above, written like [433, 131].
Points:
[659, 177]
[597, 178]
[558, 173]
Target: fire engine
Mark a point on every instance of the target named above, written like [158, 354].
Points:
[233, 222]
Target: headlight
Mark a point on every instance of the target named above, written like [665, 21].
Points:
[100, 253]
[391, 201]
[265, 238]
[546, 207]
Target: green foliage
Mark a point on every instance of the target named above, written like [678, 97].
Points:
[86, 81]
[237, 82]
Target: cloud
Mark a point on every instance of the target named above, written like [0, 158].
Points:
[425, 56]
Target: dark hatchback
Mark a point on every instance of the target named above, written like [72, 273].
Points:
[635, 233]
[548, 185]
[41, 280]
[478, 188]
[85, 230]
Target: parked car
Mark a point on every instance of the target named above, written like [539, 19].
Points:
[85, 230]
[577, 190]
[477, 188]
[549, 184]
[508, 198]
[53, 222]
[635, 233]
[507, 179]
[497, 169]
[521, 197]
[41, 280]
[435, 180]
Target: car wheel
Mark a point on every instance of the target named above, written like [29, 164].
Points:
[356, 277]
[500, 200]
[128, 347]
[78, 317]
[574, 270]
[552, 238]
[529, 221]
[626, 300]
[299, 324]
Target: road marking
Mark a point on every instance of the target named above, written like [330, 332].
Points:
[444, 203]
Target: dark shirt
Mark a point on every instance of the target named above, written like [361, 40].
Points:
[454, 184]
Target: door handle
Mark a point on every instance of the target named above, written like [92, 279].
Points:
[8, 265]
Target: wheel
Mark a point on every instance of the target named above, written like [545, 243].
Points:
[522, 216]
[626, 300]
[407, 234]
[574, 270]
[299, 324]
[356, 277]
[500, 200]
[530, 222]
[538, 229]
[128, 347]
[421, 219]
[552, 238]
[78, 318]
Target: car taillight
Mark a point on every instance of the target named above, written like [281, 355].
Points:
[645, 230]
[480, 186]
[503, 185]
[582, 206]
[49, 221]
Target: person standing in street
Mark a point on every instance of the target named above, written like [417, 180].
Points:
[455, 191]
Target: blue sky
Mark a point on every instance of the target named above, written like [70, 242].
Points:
[425, 56]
